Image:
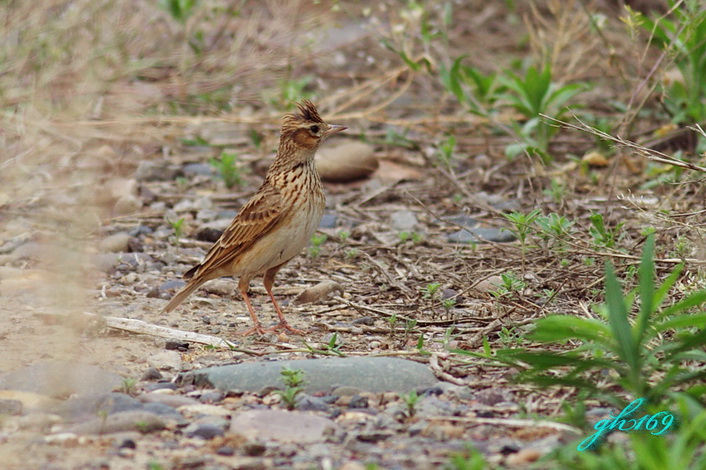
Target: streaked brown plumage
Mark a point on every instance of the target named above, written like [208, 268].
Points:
[277, 222]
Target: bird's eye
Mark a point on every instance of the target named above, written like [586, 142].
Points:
[314, 129]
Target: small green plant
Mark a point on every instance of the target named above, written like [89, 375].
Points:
[128, 386]
[177, 230]
[180, 10]
[414, 236]
[411, 400]
[152, 465]
[431, 290]
[682, 34]
[293, 380]
[316, 241]
[352, 253]
[556, 190]
[289, 91]
[510, 336]
[472, 459]
[534, 94]
[474, 90]
[554, 227]
[522, 226]
[228, 169]
[510, 285]
[602, 235]
[445, 154]
[344, 235]
[448, 304]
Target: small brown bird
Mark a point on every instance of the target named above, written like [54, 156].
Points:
[277, 222]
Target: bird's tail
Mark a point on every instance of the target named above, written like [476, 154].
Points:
[181, 296]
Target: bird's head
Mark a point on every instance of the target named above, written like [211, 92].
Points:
[303, 131]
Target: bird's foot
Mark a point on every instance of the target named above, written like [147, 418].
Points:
[255, 329]
[287, 327]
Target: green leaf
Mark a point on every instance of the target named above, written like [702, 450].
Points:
[618, 319]
[646, 275]
[556, 328]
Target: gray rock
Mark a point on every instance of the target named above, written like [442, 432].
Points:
[60, 379]
[206, 431]
[403, 220]
[172, 284]
[481, 235]
[135, 420]
[165, 360]
[309, 403]
[83, 406]
[115, 243]
[373, 374]
[462, 219]
[328, 221]
[107, 261]
[202, 169]
[168, 399]
[149, 170]
[281, 426]
[10, 407]
[127, 204]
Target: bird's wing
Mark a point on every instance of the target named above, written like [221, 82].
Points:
[255, 219]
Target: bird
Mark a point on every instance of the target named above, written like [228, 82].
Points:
[276, 223]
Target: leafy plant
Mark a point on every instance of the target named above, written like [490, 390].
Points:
[682, 35]
[472, 459]
[293, 380]
[554, 227]
[445, 153]
[180, 10]
[289, 91]
[534, 94]
[510, 285]
[228, 169]
[650, 357]
[411, 400]
[522, 225]
[602, 235]
[316, 242]
[475, 91]
[178, 229]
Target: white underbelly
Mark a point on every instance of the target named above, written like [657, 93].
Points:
[281, 244]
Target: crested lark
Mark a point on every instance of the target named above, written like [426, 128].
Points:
[277, 222]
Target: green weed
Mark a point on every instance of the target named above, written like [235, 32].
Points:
[228, 169]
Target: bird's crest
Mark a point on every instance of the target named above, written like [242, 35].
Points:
[307, 112]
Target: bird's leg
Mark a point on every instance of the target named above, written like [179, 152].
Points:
[243, 285]
[268, 281]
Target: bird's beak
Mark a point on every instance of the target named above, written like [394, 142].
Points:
[334, 129]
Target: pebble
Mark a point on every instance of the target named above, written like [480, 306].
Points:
[481, 235]
[198, 169]
[151, 374]
[10, 407]
[166, 360]
[403, 220]
[281, 426]
[151, 170]
[134, 420]
[203, 431]
[127, 204]
[328, 221]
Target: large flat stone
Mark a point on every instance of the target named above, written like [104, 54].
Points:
[374, 374]
[281, 426]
